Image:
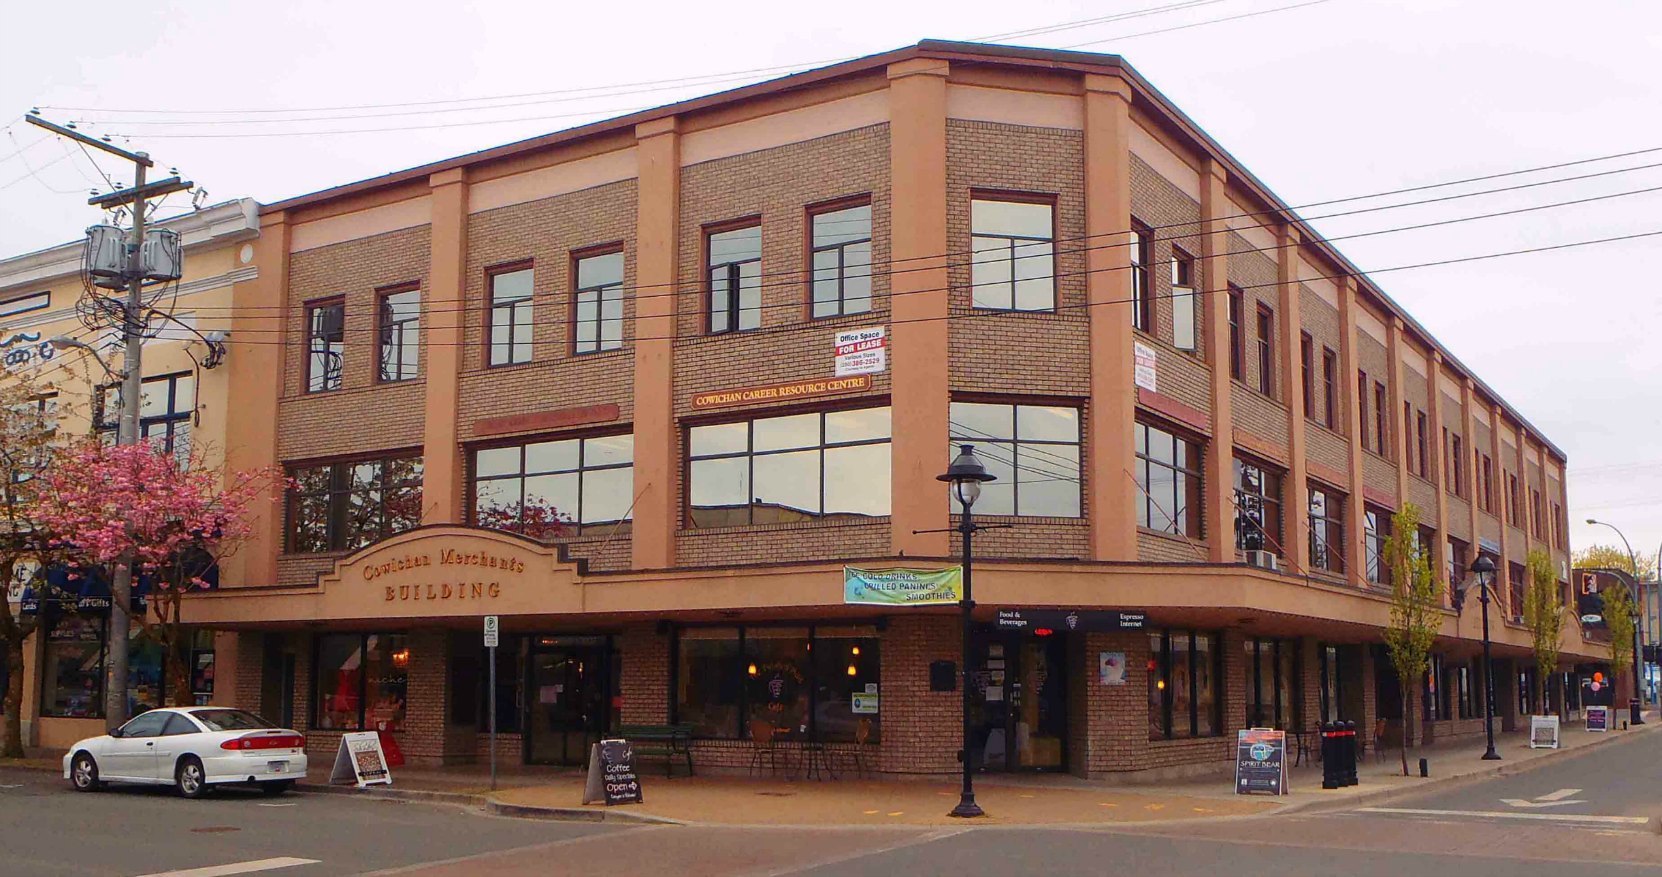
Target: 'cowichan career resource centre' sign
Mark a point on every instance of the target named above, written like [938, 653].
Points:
[895, 586]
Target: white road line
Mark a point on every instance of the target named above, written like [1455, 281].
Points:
[237, 868]
[1496, 814]
[1559, 795]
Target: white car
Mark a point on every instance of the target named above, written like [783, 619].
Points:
[190, 748]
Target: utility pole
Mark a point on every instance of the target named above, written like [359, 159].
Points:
[133, 322]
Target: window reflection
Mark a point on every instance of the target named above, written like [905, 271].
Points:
[548, 489]
[1033, 452]
[793, 468]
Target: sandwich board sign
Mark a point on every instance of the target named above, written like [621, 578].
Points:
[612, 778]
[1598, 718]
[1260, 761]
[361, 760]
[1543, 732]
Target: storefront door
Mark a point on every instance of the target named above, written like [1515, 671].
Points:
[568, 698]
[1019, 703]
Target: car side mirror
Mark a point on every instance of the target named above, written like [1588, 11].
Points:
[116, 732]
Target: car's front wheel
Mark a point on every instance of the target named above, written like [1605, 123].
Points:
[189, 779]
[276, 787]
[83, 772]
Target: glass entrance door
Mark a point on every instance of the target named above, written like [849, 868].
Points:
[1018, 702]
[567, 699]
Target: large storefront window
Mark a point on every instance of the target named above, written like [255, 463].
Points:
[345, 506]
[804, 683]
[1257, 507]
[801, 467]
[362, 681]
[542, 489]
[72, 685]
[1033, 450]
[1272, 684]
[1183, 672]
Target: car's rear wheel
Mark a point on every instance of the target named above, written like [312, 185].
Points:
[189, 779]
[83, 772]
[276, 787]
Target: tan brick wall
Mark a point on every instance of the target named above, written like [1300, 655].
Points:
[781, 543]
[922, 729]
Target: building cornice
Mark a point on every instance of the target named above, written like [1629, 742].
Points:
[220, 224]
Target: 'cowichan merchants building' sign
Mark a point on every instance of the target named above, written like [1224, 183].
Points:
[471, 575]
[903, 587]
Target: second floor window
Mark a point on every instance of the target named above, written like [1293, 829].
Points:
[1362, 410]
[1381, 416]
[1423, 448]
[1142, 287]
[399, 317]
[1237, 344]
[551, 488]
[1185, 304]
[1306, 357]
[1330, 388]
[1257, 507]
[1032, 449]
[841, 246]
[167, 407]
[1168, 471]
[1376, 532]
[599, 303]
[344, 506]
[510, 317]
[735, 260]
[1327, 530]
[1266, 351]
[800, 467]
[325, 345]
[1011, 268]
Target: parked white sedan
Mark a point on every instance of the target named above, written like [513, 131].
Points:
[190, 748]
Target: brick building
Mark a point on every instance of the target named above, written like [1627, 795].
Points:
[628, 328]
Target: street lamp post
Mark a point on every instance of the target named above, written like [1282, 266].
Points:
[965, 475]
[1483, 569]
[1638, 622]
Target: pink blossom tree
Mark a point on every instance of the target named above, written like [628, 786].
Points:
[170, 516]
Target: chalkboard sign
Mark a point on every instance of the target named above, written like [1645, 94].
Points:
[1260, 761]
[1598, 718]
[612, 778]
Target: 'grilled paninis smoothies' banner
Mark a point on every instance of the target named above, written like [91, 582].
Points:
[895, 586]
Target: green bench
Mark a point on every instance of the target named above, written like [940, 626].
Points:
[661, 741]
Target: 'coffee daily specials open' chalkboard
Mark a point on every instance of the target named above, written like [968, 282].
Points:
[612, 776]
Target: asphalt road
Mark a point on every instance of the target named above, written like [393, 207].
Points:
[1588, 812]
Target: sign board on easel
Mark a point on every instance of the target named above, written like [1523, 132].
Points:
[1260, 761]
[361, 760]
[1598, 718]
[1543, 732]
[612, 778]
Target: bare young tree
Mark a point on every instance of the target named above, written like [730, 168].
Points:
[1416, 616]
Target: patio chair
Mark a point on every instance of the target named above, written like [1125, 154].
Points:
[762, 747]
[857, 755]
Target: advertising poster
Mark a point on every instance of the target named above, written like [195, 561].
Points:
[903, 587]
[1598, 718]
[360, 760]
[1260, 761]
[1110, 668]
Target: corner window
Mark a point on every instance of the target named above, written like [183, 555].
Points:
[840, 248]
[1012, 266]
[325, 345]
[1185, 305]
[1032, 449]
[1257, 507]
[598, 300]
[1142, 291]
[362, 682]
[552, 488]
[1168, 471]
[1327, 530]
[801, 467]
[399, 319]
[509, 325]
[347, 505]
[1183, 673]
[735, 260]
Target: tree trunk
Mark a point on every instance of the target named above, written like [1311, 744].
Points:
[1407, 722]
[178, 669]
[11, 742]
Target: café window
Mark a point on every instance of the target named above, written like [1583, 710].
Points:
[1183, 688]
[1272, 684]
[1012, 260]
[167, 407]
[1327, 529]
[362, 681]
[840, 243]
[347, 505]
[399, 327]
[1257, 507]
[800, 467]
[816, 683]
[325, 345]
[551, 488]
[1033, 450]
[599, 303]
[1168, 472]
[735, 273]
[1376, 532]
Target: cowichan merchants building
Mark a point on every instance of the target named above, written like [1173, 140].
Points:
[588, 383]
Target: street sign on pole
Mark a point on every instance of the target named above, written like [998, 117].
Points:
[492, 635]
[491, 631]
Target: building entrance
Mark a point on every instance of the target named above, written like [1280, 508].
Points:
[1019, 702]
[569, 691]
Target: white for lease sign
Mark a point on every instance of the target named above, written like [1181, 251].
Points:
[862, 352]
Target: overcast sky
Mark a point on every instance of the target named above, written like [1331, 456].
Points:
[1329, 100]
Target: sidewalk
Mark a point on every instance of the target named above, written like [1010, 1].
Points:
[1008, 799]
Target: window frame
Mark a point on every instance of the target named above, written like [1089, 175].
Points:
[574, 526]
[1362, 410]
[311, 351]
[1185, 294]
[1266, 350]
[1381, 417]
[109, 395]
[742, 655]
[1331, 521]
[338, 496]
[1194, 520]
[1376, 532]
[1330, 387]
[574, 272]
[1139, 254]
[1220, 684]
[385, 331]
[749, 454]
[1422, 428]
[1273, 537]
[1306, 358]
[317, 692]
[1237, 337]
[735, 272]
[811, 214]
[1286, 716]
[1011, 444]
[530, 303]
[1049, 200]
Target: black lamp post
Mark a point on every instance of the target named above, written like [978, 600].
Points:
[1638, 621]
[965, 475]
[1484, 570]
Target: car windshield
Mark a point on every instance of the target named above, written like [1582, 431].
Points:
[230, 720]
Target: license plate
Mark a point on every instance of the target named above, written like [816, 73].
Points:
[277, 766]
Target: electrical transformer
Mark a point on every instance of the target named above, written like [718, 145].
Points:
[160, 255]
[106, 256]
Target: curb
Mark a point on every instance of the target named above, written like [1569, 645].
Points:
[492, 805]
[1383, 796]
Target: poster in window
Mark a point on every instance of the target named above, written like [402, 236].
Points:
[1110, 668]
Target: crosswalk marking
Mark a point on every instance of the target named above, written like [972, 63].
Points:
[1496, 814]
[237, 868]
